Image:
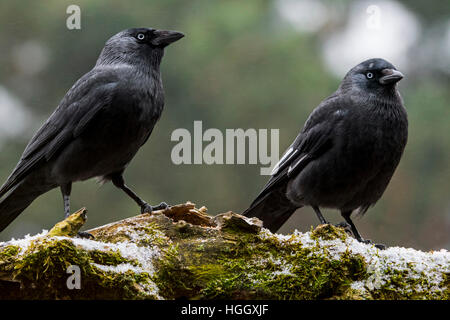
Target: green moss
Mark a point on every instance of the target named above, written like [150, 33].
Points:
[171, 274]
[150, 234]
[69, 226]
[446, 284]
[328, 232]
[251, 268]
[144, 233]
[401, 286]
[232, 260]
[185, 230]
[8, 255]
[109, 258]
[298, 274]
[42, 273]
[8, 252]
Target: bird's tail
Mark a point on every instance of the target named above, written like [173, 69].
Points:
[19, 198]
[274, 209]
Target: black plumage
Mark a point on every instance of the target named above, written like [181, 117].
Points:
[346, 153]
[98, 127]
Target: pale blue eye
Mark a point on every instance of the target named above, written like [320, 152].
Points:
[369, 75]
[140, 36]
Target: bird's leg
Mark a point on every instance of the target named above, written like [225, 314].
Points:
[119, 182]
[343, 225]
[65, 190]
[346, 216]
[319, 215]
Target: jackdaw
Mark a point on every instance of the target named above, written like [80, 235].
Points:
[346, 153]
[98, 127]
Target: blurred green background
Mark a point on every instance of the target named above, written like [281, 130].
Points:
[243, 64]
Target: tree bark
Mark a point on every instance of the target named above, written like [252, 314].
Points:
[182, 252]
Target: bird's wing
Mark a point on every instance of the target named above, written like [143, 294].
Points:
[82, 102]
[314, 140]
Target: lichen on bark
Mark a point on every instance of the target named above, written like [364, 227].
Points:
[182, 252]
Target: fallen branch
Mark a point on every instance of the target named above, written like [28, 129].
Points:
[183, 252]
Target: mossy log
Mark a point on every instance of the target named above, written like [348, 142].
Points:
[182, 252]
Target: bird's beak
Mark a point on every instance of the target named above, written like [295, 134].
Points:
[166, 37]
[390, 76]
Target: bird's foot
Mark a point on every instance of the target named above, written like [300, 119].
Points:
[146, 208]
[161, 206]
[344, 225]
[85, 235]
[377, 245]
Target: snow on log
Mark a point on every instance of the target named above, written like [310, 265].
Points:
[182, 252]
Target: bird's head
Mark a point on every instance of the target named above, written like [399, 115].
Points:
[373, 75]
[137, 45]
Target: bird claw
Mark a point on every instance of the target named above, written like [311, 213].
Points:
[161, 206]
[146, 208]
[380, 246]
[377, 245]
[85, 235]
[348, 229]
[344, 225]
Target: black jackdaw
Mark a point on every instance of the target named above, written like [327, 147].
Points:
[346, 153]
[98, 127]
